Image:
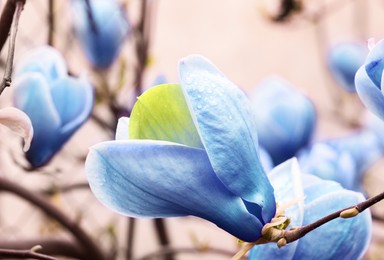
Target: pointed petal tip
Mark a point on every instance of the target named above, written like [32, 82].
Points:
[19, 122]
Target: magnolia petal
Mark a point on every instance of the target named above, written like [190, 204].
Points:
[32, 95]
[73, 99]
[374, 63]
[286, 181]
[18, 122]
[344, 59]
[101, 47]
[144, 178]
[46, 60]
[314, 187]
[285, 118]
[168, 120]
[369, 93]
[122, 132]
[339, 238]
[222, 115]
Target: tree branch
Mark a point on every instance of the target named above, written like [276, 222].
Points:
[6, 82]
[93, 252]
[292, 235]
[51, 22]
[20, 254]
[49, 246]
[6, 20]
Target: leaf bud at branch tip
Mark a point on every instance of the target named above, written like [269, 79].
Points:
[282, 242]
[349, 213]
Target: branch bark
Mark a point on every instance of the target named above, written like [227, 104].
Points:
[49, 246]
[87, 244]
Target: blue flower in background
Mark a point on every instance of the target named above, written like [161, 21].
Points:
[337, 239]
[285, 118]
[187, 150]
[343, 159]
[101, 42]
[344, 59]
[368, 80]
[56, 103]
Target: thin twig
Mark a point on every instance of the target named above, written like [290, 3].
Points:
[292, 235]
[51, 22]
[283, 237]
[6, 82]
[65, 188]
[6, 20]
[130, 238]
[93, 251]
[142, 34]
[162, 235]
[24, 254]
[50, 246]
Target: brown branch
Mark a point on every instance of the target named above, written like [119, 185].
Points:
[93, 252]
[65, 188]
[142, 34]
[292, 235]
[51, 22]
[6, 82]
[49, 246]
[6, 20]
[20, 254]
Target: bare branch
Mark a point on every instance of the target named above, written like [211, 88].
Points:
[292, 235]
[6, 82]
[49, 246]
[93, 251]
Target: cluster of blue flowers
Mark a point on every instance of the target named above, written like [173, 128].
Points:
[193, 148]
[162, 165]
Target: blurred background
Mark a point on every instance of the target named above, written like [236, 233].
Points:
[246, 40]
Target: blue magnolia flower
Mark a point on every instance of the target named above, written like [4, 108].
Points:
[202, 161]
[285, 118]
[344, 59]
[368, 80]
[56, 103]
[337, 239]
[102, 40]
[343, 159]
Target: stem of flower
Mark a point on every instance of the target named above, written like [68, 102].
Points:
[292, 235]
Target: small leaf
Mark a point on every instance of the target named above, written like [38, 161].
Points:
[19, 122]
[161, 113]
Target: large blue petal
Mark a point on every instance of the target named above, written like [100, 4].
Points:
[222, 115]
[369, 93]
[73, 99]
[32, 95]
[144, 178]
[339, 238]
[286, 180]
